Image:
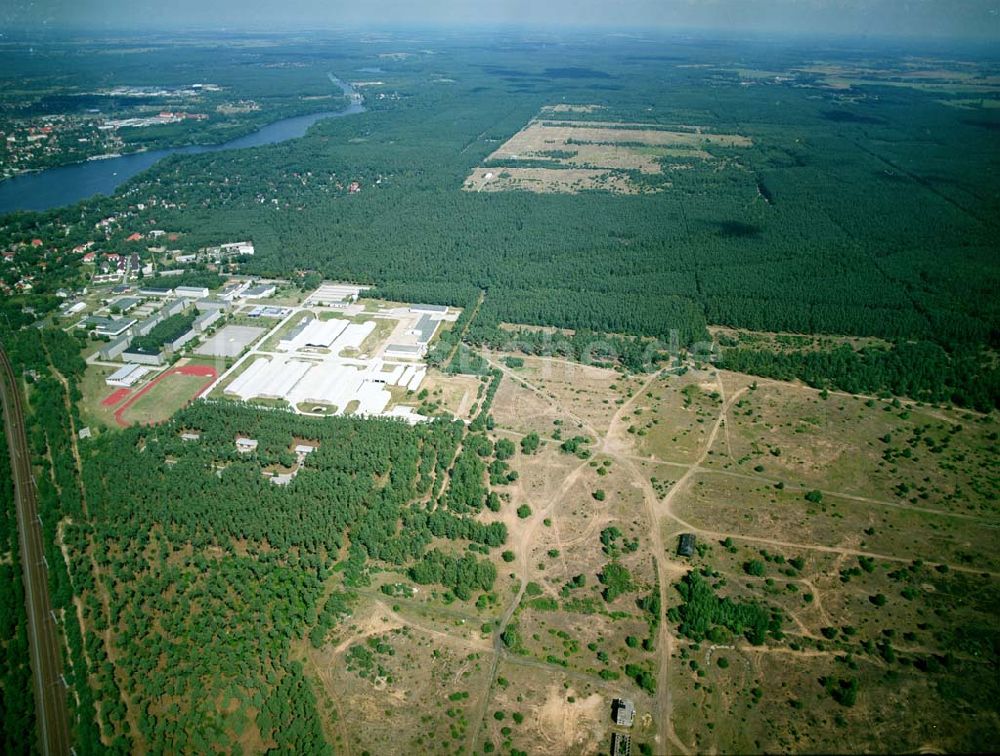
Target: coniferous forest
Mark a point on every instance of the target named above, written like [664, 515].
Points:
[872, 213]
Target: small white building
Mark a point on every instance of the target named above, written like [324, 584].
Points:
[156, 291]
[246, 445]
[112, 327]
[127, 375]
[436, 309]
[405, 351]
[261, 291]
[236, 248]
[148, 324]
[233, 290]
[181, 340]
[268, 311]
[195, 292]
[173, 307]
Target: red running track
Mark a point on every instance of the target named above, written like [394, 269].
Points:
[115, 397]
[204, 371]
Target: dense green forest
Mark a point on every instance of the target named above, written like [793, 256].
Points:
[922, 370]
[196, 574]
[17, 702]
[871, 212]
[188, 278]
[44, 357]
[187, 552]
[908, 262]
[164, 333]
[210, 567]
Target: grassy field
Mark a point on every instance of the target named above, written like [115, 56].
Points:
[587, 154]
[867, 526]
[93, 410]
[271, 344]
[383, 329]
[164, 396]
[886, 599]
[454, 394]
[864, 447]
[843, 595]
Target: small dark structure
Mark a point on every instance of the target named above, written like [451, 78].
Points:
[685, 546]
[623, 712]
[621, 745]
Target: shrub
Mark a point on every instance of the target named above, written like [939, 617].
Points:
[529, 444]
[616, 580]
[844, 692]
[754, 567]
[504, 449]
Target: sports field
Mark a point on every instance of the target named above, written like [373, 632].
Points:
[163, 396]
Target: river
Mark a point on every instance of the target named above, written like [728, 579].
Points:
[56, 187]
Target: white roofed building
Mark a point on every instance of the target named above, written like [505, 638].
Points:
[438, 309]
[126, 375]
[314, 334]
[191, 291]
[406, 351]
[261, 291]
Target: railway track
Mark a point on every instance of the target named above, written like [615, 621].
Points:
[43, 637]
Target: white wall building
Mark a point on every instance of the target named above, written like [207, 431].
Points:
[191, 291]
[315, 333]
[126, 375]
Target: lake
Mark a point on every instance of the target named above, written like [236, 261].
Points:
[56, 187]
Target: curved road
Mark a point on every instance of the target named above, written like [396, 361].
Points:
[43, 638]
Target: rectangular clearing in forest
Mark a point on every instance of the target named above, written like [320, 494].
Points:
[543, 180]
[539, 139]
[577, 155]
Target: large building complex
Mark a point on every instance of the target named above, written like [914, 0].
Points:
[334, 335]
[334, 383]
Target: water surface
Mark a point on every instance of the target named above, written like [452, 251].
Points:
[56, 187]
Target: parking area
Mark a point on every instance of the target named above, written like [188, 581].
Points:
[230, 341]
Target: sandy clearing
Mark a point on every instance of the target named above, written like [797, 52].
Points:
[545, 180]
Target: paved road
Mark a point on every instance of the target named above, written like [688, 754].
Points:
[43, 638]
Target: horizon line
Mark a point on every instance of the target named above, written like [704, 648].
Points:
[705, 32]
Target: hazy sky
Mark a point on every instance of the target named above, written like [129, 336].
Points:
[959, 18]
